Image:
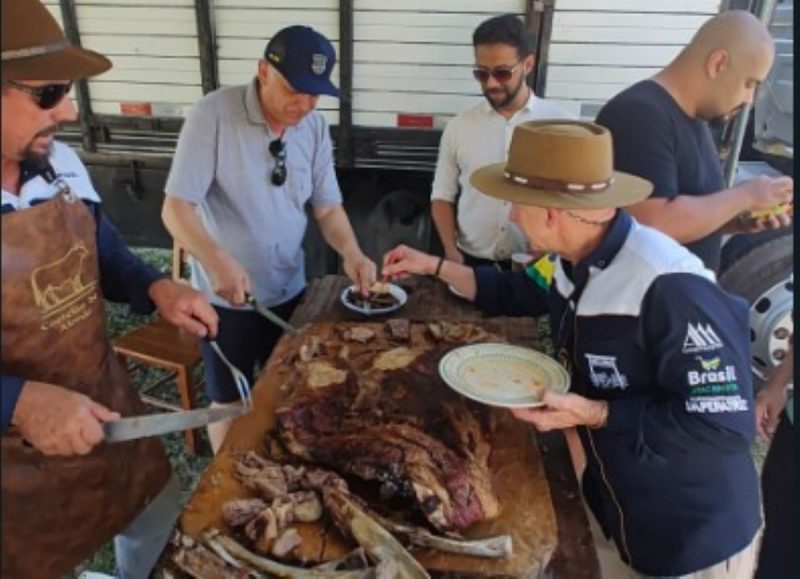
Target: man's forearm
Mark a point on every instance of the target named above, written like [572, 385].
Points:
[443, 214]
[688, 218]
[460, 277]
[337, 231]
[187, 229]
[124, 276]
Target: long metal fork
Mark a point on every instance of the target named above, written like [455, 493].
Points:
[242, 384]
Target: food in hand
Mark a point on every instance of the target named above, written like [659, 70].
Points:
[770, 211]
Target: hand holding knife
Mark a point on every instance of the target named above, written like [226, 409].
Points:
[272, 317]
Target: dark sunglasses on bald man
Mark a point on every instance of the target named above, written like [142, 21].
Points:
[47, 96]
[499, 73]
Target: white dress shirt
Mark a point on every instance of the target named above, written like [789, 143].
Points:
[476, 137]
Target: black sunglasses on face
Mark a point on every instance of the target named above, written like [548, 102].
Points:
[47, 96]
[277, 149]
[499, 73]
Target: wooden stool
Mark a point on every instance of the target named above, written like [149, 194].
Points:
[164, 346]
[160, 344]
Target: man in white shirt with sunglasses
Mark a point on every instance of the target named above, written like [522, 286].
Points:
[474, 228]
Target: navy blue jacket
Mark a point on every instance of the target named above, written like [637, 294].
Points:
[641, 323]
[124, 278]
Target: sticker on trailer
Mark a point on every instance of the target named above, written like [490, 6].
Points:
[406, 121]
[130, 109]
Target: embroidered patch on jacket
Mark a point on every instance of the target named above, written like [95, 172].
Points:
[700, 338]
[713, 387]
[61, 292]
[604, 374]
[541, 272]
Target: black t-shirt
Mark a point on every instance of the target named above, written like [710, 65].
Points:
[656, 140]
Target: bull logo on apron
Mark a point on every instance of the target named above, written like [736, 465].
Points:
[61, 292]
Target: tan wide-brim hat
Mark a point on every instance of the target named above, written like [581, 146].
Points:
[35, 48]
[561, 163]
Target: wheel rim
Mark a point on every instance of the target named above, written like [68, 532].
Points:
[771, 326]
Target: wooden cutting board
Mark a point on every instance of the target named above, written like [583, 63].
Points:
[518, 477]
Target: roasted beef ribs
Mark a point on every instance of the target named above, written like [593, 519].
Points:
[390, 420]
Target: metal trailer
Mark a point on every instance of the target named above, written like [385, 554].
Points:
[404, 68]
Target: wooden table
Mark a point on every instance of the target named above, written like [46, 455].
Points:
[429, 300]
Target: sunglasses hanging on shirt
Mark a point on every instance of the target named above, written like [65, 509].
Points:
[277, 149]
[47, 96]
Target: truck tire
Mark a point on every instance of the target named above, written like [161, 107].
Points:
[764, 277]
[740, 245]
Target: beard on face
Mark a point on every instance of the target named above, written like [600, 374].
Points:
[721, 125]
[33, 156]
[733, 112]
[508, 95]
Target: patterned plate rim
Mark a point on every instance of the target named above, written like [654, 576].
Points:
[529, 354]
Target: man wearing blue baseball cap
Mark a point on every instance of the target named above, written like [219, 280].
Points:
[248, 160]
[305, 58]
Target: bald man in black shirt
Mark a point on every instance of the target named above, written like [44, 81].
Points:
[660, 129]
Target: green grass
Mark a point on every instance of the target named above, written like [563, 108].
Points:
[119, 321]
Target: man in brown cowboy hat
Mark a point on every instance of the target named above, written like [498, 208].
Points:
[661, 389]
[65, 493]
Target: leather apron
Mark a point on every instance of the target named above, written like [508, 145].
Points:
[57, 511]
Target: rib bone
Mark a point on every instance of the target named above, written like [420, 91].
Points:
[214, 537]
[200, 563]
[379, 544]
[492, 547]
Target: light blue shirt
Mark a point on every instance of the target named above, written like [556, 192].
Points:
[223, 165]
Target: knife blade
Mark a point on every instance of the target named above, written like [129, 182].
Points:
[133, 427]
[272, 317]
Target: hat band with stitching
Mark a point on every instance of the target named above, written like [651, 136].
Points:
[558, 185]
[20, 53]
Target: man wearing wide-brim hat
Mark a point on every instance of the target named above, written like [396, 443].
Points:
[661, 391]
[65, 492]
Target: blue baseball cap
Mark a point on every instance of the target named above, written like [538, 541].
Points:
[305, 58]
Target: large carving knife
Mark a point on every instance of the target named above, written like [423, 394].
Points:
[133, 427]
[270, 315]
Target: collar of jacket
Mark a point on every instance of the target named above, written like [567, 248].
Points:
[603, 254]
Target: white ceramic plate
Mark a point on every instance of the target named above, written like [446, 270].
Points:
[398, 292]
[502, 375]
